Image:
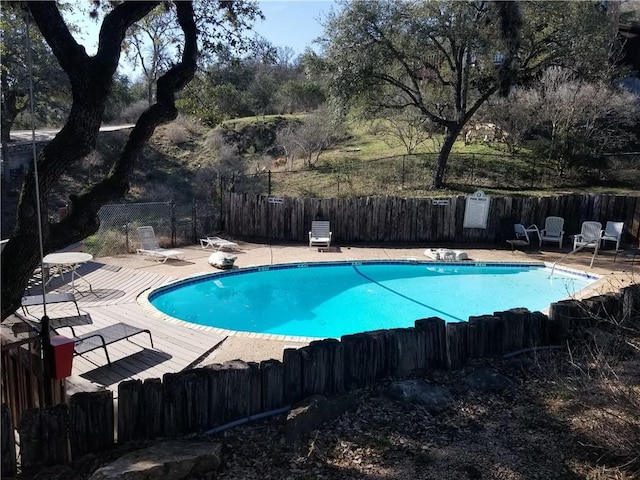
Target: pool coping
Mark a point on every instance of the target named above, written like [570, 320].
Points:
[144, 302]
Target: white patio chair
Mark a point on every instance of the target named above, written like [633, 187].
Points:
[320, 234]
[612, 233]
[589, 236]
[552, 231]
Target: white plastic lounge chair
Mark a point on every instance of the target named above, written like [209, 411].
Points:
[521, 237]
[552, 231]
[320, 234]
[151, 248]
[589, 236]
[219, 243]
[612, 233]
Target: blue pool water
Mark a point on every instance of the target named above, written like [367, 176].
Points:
[330, 300]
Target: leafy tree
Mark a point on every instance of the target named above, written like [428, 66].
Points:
[446, 59]
[261, 91]
[91, 79]
[50, 84]
[121, 97]
[213, 102]
[299, 96]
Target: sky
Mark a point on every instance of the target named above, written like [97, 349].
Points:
[288, 23]
[293, 23]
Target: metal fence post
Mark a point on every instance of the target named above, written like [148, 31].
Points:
[194, 219]
[173, 222]
[220, 223]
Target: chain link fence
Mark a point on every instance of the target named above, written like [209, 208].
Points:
[174, 225]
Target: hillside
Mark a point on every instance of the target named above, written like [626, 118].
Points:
[183, 162]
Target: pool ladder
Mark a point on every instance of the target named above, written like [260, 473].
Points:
[593, 257]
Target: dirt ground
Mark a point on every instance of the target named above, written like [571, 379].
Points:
[545, 425]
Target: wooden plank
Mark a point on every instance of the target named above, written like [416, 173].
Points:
[485, 335]
[456, 345]
[408, 352]
[272, 378]
[434, 329]
[513, 328]
[30, 430]
[130, 411]
[366, 358]
[91, 424]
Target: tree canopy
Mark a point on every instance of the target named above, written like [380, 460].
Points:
[445, 59]
[47, 77]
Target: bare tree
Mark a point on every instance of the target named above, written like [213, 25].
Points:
[515, 115]
[409, 129]
[309, 139]
[286, 140]
[151, 44]
[581, 120]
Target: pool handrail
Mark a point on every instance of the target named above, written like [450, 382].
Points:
[577, 249]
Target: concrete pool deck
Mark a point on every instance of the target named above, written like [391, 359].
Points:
[254, 347]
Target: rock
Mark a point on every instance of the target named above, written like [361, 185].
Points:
[314, 412]
[167, 460]
[222, 260]
[486, 380]
[434, 397]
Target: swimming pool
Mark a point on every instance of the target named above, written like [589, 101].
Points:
[328, 300]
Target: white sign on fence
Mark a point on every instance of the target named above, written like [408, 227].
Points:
[444, 202]
[276, 200]
[476, 210]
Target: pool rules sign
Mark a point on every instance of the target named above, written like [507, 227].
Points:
[476, 211]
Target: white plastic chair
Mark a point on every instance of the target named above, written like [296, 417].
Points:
[320, 234]
[612, 233]
[589, 236]
[552, 231]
